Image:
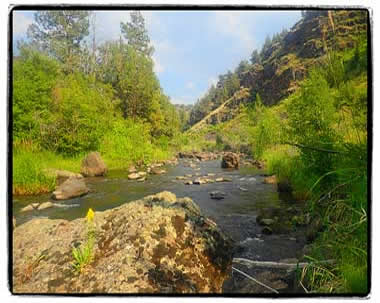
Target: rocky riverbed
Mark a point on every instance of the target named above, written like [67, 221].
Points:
[251, 220]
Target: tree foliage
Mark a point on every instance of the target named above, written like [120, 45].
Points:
[65, 103]
[60, 34]
[136, 34]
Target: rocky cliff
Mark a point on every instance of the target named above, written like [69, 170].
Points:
[226, 111]
[286, 61]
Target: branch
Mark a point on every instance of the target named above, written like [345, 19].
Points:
[314, 148]
[277, 265]
[254, 280]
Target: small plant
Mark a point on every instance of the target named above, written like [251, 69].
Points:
[29, 270]
[84, 255]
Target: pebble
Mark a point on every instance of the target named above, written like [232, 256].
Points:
[45, 205]
[218, 195]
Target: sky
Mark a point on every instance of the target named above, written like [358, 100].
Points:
[191, 47]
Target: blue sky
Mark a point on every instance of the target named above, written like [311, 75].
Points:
[191, 47]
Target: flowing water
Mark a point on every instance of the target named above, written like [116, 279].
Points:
[235, 214]
[244, 194]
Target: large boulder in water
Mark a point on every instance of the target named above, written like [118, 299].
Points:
[71, 188]
[230, 160]
[160, 244]
[93, 165]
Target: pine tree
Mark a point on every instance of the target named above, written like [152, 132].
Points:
[136, 34]
[255, 57]
[59, 34]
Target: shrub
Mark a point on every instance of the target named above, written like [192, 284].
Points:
[80, 114]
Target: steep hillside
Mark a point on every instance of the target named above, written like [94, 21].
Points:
[282, 63]
[224, 112]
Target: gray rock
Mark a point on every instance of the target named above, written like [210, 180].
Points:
[267, 222]
[133, 176]
[27, 208]
[223, 179]
[71, 188]
[199, 181]
[149, 247]
[45, 205]
[132, 170]
[267, 230]
[157, 171]
[142, 173]
[93, 165]
[230, 160]
[217, 195]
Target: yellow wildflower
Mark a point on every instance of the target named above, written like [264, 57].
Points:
[90, 215]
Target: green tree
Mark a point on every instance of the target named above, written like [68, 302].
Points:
[255, 57]
[80, 113]
[136, 34]
[34, 76]
[242, 68]
[60, 34]
[137, 85]
[311, 118]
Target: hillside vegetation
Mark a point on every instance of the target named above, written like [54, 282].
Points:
[314, 138]
[71, 97]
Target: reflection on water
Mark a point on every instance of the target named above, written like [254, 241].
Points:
[244, 195]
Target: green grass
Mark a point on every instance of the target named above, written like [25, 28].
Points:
[30, 163]
[28, 176]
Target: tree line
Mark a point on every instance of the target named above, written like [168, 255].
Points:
[68, 91]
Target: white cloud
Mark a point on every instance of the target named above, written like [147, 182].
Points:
[212, 81]
[108, 24]
[21, 23]
[190, 85]
[158, 67]
[236, 24]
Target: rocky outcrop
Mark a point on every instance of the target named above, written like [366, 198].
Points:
[201, 156]
[230, 160]
[285, 62]
[71, 188]
[160, 244]
[217, 195]
[270, 180]
[93, 165]
[135, 176]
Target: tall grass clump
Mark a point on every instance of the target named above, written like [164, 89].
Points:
[28, 176]
[328, 121]
[319, 144]
[129, 141]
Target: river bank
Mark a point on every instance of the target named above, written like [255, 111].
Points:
[246, 198]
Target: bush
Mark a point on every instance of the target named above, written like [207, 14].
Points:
[28, 175]
[34, 76]
[128, 141]
[81, 112]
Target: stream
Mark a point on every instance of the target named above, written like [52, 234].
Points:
[236, 214]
